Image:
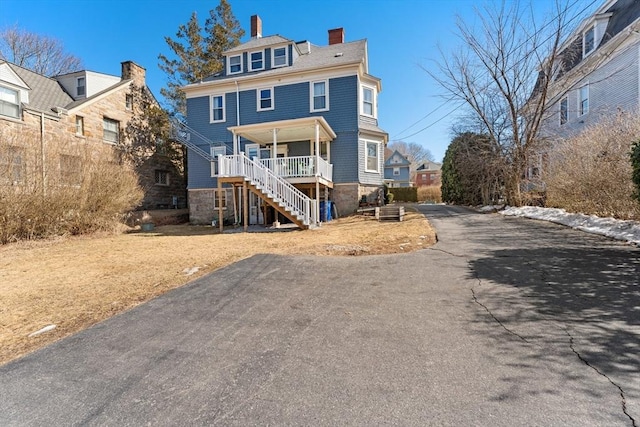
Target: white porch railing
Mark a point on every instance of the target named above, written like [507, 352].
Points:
[273, 186]
[299, 167]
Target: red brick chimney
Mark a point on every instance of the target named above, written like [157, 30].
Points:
[256, 27]
[131, 70]
[336, 36]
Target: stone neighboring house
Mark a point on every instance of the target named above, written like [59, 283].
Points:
[597, 72]
[288, 125]
[397, 170]
[82, 109]
[429, 173]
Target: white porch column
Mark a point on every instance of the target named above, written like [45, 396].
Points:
[317, 171]
[235, 144]
[275, 149]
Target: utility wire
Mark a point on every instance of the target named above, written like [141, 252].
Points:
[399, 135]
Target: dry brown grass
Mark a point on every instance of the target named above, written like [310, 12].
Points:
[75, 282]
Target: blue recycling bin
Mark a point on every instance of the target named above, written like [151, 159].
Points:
[325, 211]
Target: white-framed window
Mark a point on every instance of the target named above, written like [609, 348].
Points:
[80, 125]
[396, 171]
[81, 86]
[225, 197]
[111, 130]
[319, 95]
[9, 102]
[372, 156]
[128, 101]
[216, 110]
[588, 41]
[368, 107]
[235, 64]
[265, 98]
[583, 99]
[256, 60]
[564, 110]
[162, 177]
[215, 152]
[279, 57]
[252, 150]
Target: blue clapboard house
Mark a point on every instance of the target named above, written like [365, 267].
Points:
[287, 131]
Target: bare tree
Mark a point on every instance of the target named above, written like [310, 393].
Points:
[502, 73]
[41, 54]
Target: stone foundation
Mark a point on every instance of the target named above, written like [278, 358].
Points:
[201, 205]
[347, 196]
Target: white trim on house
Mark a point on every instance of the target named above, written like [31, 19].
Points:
[313, 96]
[229, 65]
[367, 156]
[581, 108]
[259, 99]
[251, 60]
[373, 102]
[286, 56]
[223, 107]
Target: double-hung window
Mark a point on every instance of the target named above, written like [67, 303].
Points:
[217, 109]
[319, 96]
[583, 99]
[257, 60]
[372, 156]
[79, 125]
[215, 152]
[81, 88]
[396, 171]
[564, 111]
[265, 99]
[368, 101]
[589, 42]
[111, 129]
[235, 64]
[279, 57]
[9, 102]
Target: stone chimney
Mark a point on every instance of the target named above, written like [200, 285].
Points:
[336, 36]
[131, 70]
[256, 27]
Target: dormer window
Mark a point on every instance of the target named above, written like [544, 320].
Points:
[589, 41]
[280, 57]
[81, 88]
[235, 64]
[257, 61]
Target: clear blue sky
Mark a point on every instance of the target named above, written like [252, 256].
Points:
[402, 35]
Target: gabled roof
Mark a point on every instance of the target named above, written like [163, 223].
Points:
[258, 43]
[396, 154]
[45, 93]
[81, 102]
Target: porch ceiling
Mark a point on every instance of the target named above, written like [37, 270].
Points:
[302, 129]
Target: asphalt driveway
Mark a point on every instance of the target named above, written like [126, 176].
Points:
[505, 322]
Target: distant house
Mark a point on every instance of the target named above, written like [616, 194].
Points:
[428, 173]
[79, 110]
[397, 170]
[597, 72]
[288, 125]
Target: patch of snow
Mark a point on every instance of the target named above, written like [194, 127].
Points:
[615, 228]
[190, 271]
[491, 208]
[42, 331]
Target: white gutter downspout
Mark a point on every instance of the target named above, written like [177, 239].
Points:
[318, 172]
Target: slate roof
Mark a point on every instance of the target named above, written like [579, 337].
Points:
[46, 93]
[318, 57]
